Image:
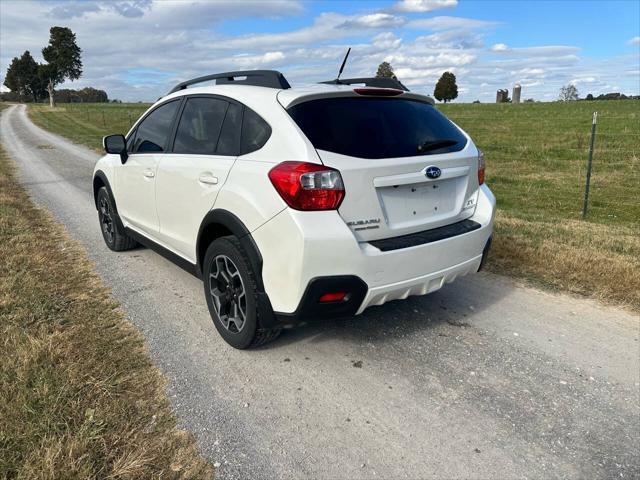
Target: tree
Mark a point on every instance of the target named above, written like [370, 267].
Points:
[446, 88]
[589, 97]
[568, 93]
[22, 77]
[63, 59]
[385, 70]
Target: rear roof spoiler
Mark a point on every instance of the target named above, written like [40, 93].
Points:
[380, 82]
[258, 78]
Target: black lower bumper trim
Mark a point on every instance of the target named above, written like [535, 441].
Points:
[311, 309]
[485, 253]
[427, 236]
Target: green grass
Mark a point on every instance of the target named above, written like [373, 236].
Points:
[537, 157]
[79, 396]
[536, 165]
[87, 123]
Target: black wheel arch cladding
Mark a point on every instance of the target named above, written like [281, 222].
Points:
[218, 223]
[99, 181]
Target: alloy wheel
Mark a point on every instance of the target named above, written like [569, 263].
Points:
[228, 293]
[106, 219]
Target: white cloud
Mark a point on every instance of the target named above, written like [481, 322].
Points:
[538, 51]
[578, 81]
[386, 41]
[442, 60]
[422, 6]
[373, 20]
[447, 23]
[634, 41]
[529, 71]
[268, 59]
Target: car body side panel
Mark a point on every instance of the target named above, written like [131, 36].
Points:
[186, 189]
[249, 195]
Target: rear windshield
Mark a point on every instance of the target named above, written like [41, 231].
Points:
[377, 127]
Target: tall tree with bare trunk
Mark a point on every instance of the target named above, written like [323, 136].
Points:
[63, 59]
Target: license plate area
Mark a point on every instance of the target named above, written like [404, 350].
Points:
[418, 203]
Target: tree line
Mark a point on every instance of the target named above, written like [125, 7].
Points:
[65, 95]
[35, 81]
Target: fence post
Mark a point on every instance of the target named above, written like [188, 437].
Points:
[585, 205]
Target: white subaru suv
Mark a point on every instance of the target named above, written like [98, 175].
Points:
[297, 204]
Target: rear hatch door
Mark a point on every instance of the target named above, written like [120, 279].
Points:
[406, 168]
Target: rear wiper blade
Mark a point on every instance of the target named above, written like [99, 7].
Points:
[436, 144]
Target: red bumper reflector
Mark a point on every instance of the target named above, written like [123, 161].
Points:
[333, 297]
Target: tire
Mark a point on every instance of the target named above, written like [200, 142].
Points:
[112, 230]
[230, 288]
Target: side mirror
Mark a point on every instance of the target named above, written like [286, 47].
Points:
[117, 145]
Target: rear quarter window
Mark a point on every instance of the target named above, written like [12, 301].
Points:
[376, 127]
[255, 132]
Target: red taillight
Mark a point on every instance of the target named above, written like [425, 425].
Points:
[481, 166]
[379, 92]
[308, 186]
[332, 297]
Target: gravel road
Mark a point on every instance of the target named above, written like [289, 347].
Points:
[485, 378]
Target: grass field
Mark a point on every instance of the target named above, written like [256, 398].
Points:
[536, 165]
[79, 396]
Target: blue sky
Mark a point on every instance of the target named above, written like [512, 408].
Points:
[136, 49]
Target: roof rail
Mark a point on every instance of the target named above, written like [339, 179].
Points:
[380, 82]
[259, 78]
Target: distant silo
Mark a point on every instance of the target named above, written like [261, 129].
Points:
[517, 89]
[502, 95]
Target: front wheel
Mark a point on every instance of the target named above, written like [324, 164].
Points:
[231, 291]
[112, 231]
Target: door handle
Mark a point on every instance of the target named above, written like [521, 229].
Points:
[149, 174]
[208, 179]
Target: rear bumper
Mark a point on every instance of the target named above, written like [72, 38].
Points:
[298, 248]
[418, 286]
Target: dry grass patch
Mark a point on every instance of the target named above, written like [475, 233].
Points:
[601, 261]
[79, 396]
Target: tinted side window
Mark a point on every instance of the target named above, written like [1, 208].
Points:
[200, 126]
[377, 127]
[152, 134]
[255, 132]
[229, 142]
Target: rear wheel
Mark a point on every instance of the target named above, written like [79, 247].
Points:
[231, 291]
[112, 231]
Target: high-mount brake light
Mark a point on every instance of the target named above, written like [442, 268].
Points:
[378, 92]
[308, 186]
[481, 167]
